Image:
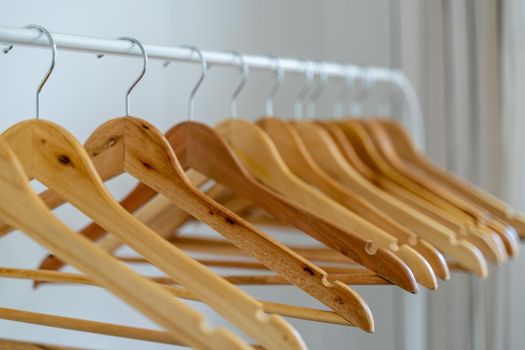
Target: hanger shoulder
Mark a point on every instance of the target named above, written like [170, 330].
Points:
[436, 234]
[420, 185]
[293, 151]
[409, 153]
[148, 157]
[138, 196]
[19, 203]
[62, 164]
[262, 158]
[202, 149]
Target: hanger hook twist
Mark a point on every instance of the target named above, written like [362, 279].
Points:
[345, 91]
[279, 80]
[364, 91]
[245, 75]
[144, 67]
[311, 104]
[299, 99]
[204, 72]
[53, 45]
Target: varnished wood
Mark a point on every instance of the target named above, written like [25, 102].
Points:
[325, 152]
[294, 153]
[272, 307]
[224, 168]
[378, 152]
[396, 166]
[55, 158]
[163, 173]
[409, 153]
[21, 208]
[255, 150]
[148, 157]
[489, 243]
[86, 326]
[147, 206]
[359, 134]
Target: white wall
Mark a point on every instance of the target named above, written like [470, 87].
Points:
[84, 92]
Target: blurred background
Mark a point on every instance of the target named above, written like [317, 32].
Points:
[464, 58]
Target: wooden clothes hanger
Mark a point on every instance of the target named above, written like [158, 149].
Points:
[407, 151]
[262, 159]
[491, 248]
[407, 200]
[391, 178]
[325, 153]
[294, 153]
[312, 280]
[54, 157]
[22, 208]
[386, 150]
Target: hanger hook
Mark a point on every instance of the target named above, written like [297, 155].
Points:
[144, 67]
[245, 75]
[309, 81]
[53, 45]
[345, 91]
[204, 72]
[364, 91]
[311, 104]
[279, 79]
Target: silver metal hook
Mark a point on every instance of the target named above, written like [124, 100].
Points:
[345, 92]
[364, 91]
[6, 49]
[299, 99]
[51, 67]
[279, 79]
[144, 68]
[314, 96]
[245, 75]
[204, 71]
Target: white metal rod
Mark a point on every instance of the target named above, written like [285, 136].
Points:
[30, 37]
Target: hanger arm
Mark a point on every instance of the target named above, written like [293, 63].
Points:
[20, 203]
[201, 148]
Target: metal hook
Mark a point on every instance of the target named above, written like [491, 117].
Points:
[279, 79]
[144, 68]
[298, 102]
[245, 76]
[314, 96]
[53, 45]
[204, 71]
[6, 49]
[364, 91]
[345, 91]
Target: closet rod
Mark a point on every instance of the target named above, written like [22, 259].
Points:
[30, 37]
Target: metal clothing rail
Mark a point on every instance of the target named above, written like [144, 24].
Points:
[31, 37]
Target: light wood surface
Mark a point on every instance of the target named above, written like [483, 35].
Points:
[163, 173]
[152, 209]
[402, 173]
[293, 152]
[373, 148]
[165, 221]
[359, 135]
[323, 147]
[147, 156]
[199, 147]
[20, 207]
[410, 154]
[240, 134]
[63, 165]
[272, 307]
